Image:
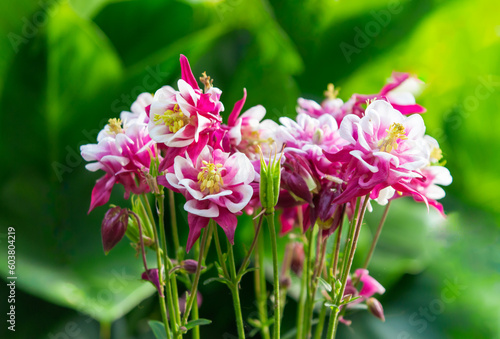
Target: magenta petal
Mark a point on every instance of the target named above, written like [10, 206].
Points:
[196, 223]
[231, 121]
[409, 109]
[228, 222]
[101, 191]
[186, 73]
[370, 285]
[152, 276]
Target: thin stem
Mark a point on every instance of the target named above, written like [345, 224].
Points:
[170, 281]
[163, 307]
[194, 288]
[310, 311]
[222, 262]
[304, 286]
[254, 242]
[260, 286]
[104, 330]
[335, 253]
[173, 221]
[321, 323]
[309, 285]
[352, 244]
[377, 235]
[195, 315]
[148, 212]
[276, 274]
[235, 292]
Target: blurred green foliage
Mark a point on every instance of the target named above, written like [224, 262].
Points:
[69, 65]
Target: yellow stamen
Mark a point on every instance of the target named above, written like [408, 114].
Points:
[395, 133]
[331, 92]
[210, 178]
[436, 154]
[206, 81]
[173, 119]
[115, 126]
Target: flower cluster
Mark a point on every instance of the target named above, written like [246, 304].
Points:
[336, 158]
[337, 152]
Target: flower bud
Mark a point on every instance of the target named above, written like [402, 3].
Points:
[270, 177]
[285, 282]
[152, 276]
[190, 266]
[114, 226]
[375, 308]
[298, 256]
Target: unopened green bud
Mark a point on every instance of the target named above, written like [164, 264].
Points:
[270, 177]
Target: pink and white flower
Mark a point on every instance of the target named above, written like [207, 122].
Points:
[187, 116]
[384, 147]
[124, 151]
[216, 186]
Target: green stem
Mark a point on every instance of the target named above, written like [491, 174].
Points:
[163, 307]
[352, 244]
[276, 273]
[377, 235]
[254, 242]
[173, 222]
[260, 286]
[152, 224]
[105, 330]
[194, 288]
[195, 315]
[235, 292]
[309, 286]
[304, 285]
[321, 322]
[222, 262]
[335, 253]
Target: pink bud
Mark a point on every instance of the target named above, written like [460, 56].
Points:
[190, 266]
[113, 227]
[375, 308]
[152, 276]
[298, 256]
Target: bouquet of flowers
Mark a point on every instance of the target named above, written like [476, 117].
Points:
[321, 171]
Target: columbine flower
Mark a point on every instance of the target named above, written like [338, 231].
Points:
[400, 92]
[383, 148]
[187, 116]
[332, 105]
[216, 187]
[246, 133]
[124, 152]
[426, 189]
[369, 288]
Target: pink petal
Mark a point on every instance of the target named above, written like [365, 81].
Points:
[187, 74]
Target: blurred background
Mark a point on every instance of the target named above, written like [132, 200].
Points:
[67, 66]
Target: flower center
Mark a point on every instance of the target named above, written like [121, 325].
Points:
[174, 119]
[115, 126]
[436, 154]
[395, 133]
[210, 178]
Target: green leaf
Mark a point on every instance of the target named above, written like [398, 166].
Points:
[325, 284]
[222, 280]
[197, 322]
[158, 329]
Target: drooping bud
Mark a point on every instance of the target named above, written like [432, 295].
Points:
[298, 256]
[375, 308]
[152, 276]
[114, 226]
[270, 177]
[190, 266]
